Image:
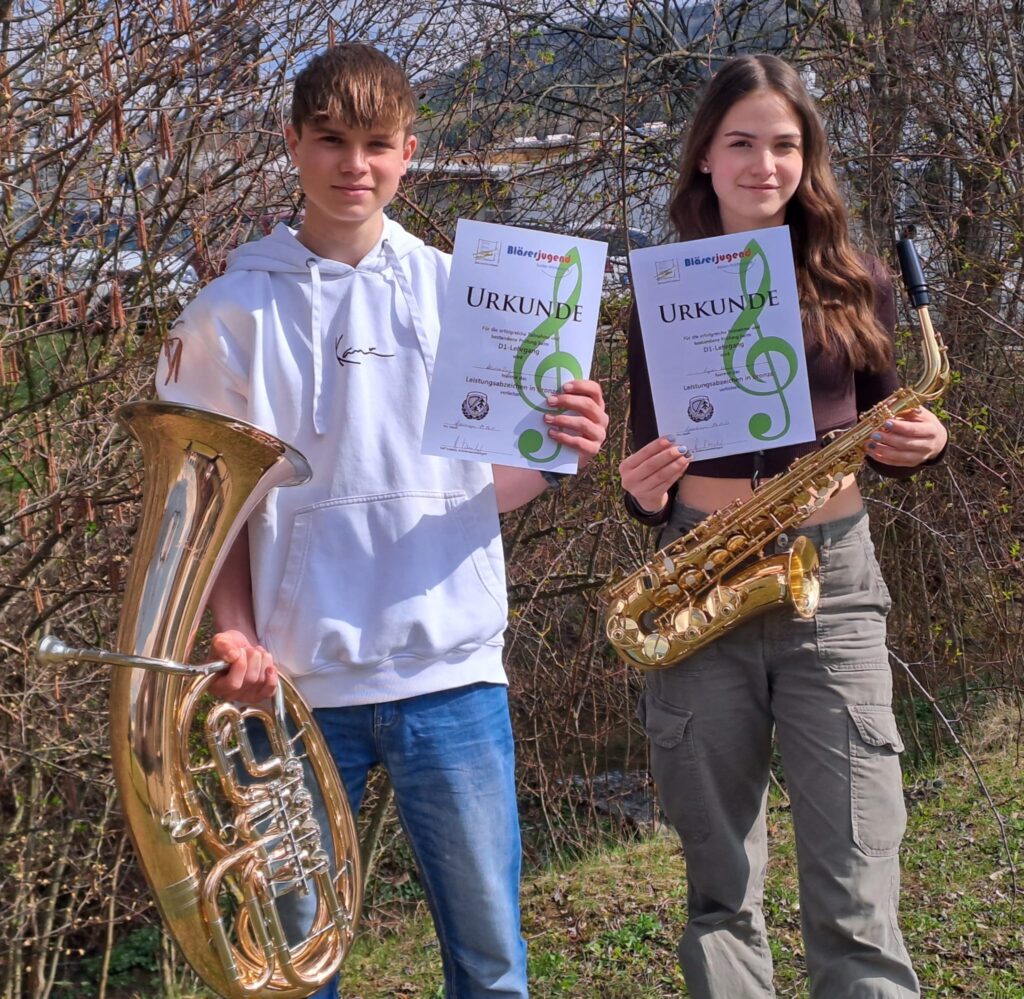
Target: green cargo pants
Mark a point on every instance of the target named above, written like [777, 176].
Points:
[825, 688]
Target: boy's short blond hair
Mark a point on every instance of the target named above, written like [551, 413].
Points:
[356, 84]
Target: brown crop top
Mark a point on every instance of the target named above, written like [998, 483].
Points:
[838, 395]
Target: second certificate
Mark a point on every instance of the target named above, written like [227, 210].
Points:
[724, 342]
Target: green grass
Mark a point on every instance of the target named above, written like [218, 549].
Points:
[605, 928]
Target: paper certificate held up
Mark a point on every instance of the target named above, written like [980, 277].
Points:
[519, 322]
[724, 342]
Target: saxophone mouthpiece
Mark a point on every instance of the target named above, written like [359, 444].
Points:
[913, 276]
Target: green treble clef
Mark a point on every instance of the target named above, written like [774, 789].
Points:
[531, 441]
[767, 347]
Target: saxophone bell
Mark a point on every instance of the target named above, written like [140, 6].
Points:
[655, 639]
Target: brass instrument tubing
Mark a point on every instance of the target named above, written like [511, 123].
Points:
[51, 651]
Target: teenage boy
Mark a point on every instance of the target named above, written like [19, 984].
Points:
[379, 586]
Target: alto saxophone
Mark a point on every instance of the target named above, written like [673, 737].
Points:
[704, 584]
[226, 832]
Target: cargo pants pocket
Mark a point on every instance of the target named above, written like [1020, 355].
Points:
[850, 622]
[675, 767]
[876, 783]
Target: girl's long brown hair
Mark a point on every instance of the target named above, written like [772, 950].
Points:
[837, 294]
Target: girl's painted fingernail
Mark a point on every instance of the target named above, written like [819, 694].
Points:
[568, 386]
[671, 438]
[876, 437]
[871, 445]
[683, 449]
[552, 400]
[548, 418]
[887, 424]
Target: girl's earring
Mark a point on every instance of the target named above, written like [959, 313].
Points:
[705, 169]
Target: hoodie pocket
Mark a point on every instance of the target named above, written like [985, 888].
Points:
[402, 575]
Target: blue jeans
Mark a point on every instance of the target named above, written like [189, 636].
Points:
[450, 757]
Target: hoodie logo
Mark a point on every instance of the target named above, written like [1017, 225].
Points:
[354, 355]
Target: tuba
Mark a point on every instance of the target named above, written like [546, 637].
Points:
[218, 799]
[704, 584]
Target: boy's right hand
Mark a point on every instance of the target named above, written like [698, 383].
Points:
[649, 473]
[251, 675]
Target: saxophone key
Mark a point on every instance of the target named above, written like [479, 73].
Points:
[729, 601]
[623, 631]
[690, 623]
[655, 647]
[715, 559]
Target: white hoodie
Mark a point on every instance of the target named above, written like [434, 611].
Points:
[383, 577]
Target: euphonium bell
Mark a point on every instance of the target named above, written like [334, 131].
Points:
[224, 829]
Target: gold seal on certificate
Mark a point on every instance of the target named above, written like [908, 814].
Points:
[519, 322]
[724, 343]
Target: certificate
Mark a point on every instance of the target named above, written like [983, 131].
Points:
[724, 342]
[519, 321]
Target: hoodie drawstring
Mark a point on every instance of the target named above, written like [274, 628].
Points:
[316, 333]
[317, 337]
[426, 348]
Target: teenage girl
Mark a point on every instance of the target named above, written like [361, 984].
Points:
[756, 156]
